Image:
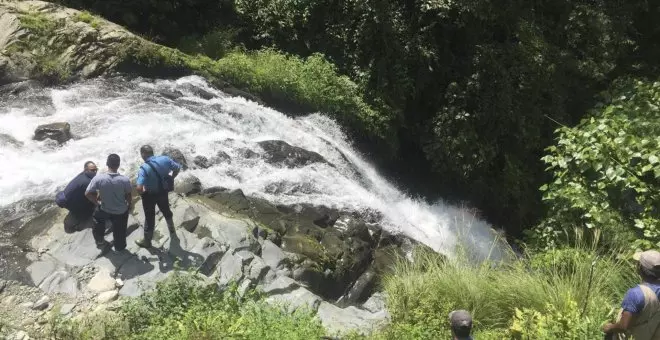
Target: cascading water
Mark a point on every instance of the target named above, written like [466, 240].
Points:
[118, 116]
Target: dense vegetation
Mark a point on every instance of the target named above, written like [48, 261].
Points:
[544, 114]
[473, 84]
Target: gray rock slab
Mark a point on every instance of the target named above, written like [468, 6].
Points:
[272, 254]
[60, 282]
[41, 304]
[280, 285]
[227, 231]
[41, 269]
[375, 303]
[77, 249]
[106, 297]
[112, 261]
[339, 320]
[67, 308]
[295, 299]
[258, 269]
[141, 272]
[102, 281]
[230, 269]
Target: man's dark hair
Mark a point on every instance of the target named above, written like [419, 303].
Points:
[113, 161]
[87, 164]
[147, 150]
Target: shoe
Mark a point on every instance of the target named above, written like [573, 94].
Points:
[170, 226]
[103, 245]
[143, 243]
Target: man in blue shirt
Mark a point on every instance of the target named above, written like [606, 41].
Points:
[153, 183]
[73, 197]
[111, 193]
[640, 314]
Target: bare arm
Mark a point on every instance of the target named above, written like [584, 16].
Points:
[620, 326]
[140, 189]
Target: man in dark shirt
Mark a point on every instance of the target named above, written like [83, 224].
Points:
[73, 197]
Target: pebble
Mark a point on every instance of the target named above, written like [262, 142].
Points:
[42, 303]
[66, 309]
[9, 300]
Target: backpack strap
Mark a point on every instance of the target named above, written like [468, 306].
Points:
[160, 179]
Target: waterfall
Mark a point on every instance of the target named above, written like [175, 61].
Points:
[118, 116]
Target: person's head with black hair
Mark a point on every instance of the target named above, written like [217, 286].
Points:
[90, 169]
[461, 324]
[113, 162]
[146, 151]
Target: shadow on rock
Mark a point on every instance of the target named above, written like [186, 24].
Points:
[73, 223]
[186, 258]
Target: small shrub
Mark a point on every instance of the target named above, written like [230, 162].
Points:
[89, 18]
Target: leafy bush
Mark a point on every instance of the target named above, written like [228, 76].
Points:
[184, 308]
[567, 324]
[606, 171]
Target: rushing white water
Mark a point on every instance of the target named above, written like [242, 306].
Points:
[118, 116]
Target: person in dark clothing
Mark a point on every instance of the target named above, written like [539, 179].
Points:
[73, 197]
[111, 193]
[461, 324]
[153, 183]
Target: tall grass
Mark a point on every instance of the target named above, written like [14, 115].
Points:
[581, 280]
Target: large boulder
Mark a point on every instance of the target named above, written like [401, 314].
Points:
[282, 153]
[59, 132]
[177, 156]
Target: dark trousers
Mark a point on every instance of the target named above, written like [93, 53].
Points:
[149, 202]
[119, 223]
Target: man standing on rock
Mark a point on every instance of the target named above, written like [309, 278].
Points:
[111, 194]
[154, 183]
[73, 198]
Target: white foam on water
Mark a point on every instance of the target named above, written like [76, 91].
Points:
[118, 116]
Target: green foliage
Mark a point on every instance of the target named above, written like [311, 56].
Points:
[85, 16]
[47, 64]
[525, 297]
[215, 44]
[567, 324]
[307, 85]
[606, 171]
[184, 308]
[163, 20]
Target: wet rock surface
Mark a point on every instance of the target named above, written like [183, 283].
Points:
[282, 153]
[302, 255]
[59, 132]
